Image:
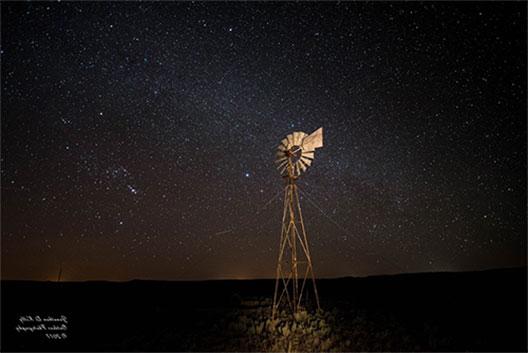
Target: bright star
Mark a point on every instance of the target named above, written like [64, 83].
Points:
[132, 189]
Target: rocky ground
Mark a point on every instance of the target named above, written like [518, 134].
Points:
[321, 331]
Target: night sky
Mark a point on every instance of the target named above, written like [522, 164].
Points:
[138, 139]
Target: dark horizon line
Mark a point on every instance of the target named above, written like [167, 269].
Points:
[525, 267]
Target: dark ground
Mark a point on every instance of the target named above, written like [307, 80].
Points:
[472, 311]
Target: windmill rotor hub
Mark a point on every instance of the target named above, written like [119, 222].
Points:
[295, 153]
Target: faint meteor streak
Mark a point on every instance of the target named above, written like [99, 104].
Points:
[223, 232]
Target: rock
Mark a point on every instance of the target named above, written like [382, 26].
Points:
[259, 328]
[286, 330]
[325, 346]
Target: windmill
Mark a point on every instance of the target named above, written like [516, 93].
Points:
[294, 265]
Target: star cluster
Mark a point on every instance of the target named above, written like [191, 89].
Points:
[138, 138]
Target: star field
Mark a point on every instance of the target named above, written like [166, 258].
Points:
[138, 138]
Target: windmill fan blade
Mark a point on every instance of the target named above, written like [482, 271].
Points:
[313, 141]
[298, 137]
[301, 165]
[302, 136]
[306, 161]
[284, 142]
[290, 140]
[281, 147]
[280, 154]
[282, 168]
[281, 159]
[308, 154]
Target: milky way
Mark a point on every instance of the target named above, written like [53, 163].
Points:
[138, 138]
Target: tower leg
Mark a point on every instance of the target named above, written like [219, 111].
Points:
[282, 244]
[307, 249]
[293, 237]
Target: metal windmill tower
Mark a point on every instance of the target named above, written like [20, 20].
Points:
[294, 265]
